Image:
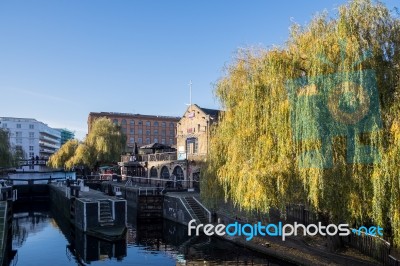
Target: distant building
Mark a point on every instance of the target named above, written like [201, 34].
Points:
[193, 132]
[65, 135]
[34, 138]
[142, 129]
[165, 167]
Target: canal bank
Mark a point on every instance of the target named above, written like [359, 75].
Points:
[182, 207]
[42, 238]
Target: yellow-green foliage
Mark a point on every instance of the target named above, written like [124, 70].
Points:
[104, 143]
[253, 155]
[64, 154]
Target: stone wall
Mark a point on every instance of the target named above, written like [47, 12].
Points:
[174, 210]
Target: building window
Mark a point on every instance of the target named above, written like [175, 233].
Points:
[147, 140]
[171, 132]
[31, 148]
[31, 167]
[171, 141]
[156, 124]
[18, 125]
[140, 140]
[140, 123]
[163, 132]
[162, 141]
[148, 132]
[31, 154]
[155, 132]
[115, 121]
[148, 123]
[140, 131]
[192, 145]
[155, 140]
[123, 126]
[31, 126]
[132, 131]
[163, 124]
[31, 135]
[164, 173]
[132, 123]
[171, 124]
[132, 140]
[153, 172]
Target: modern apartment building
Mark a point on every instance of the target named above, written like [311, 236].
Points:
[65, 135]
[34, 138]
[142, 129]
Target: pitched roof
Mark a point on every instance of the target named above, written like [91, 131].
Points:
[214, 113]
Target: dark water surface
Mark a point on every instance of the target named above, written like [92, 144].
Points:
[41, 237]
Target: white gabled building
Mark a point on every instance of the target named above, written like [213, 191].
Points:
[36, 139]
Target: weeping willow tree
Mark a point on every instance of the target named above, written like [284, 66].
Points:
[103, 144]
[316, 121]
[7, 158]
[64, 154]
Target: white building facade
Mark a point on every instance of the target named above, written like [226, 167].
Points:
[36, 139]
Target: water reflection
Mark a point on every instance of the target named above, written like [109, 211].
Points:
[172, 238]
[43, 237]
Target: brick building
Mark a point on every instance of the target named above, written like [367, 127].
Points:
[193, 136]
[142, 129]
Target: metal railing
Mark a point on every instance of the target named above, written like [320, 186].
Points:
[151, 157]
[166, 156]
[204, 209]
[150, 191]
[32, 162]
[369, 245]
[187, 210]
[160, 182]
[32, 181]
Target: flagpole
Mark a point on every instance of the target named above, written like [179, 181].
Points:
[190, 92]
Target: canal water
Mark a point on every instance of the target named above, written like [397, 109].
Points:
[41, 237]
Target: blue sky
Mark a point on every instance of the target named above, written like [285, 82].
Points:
[60, 60]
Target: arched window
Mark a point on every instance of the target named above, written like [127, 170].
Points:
[156, 124]
[115, 121]
[171, 124]
[132, 123]
[164, 173]
[153, 172]
[178, 172]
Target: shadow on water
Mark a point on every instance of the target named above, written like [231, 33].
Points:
[172, 238]
[42, 237]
